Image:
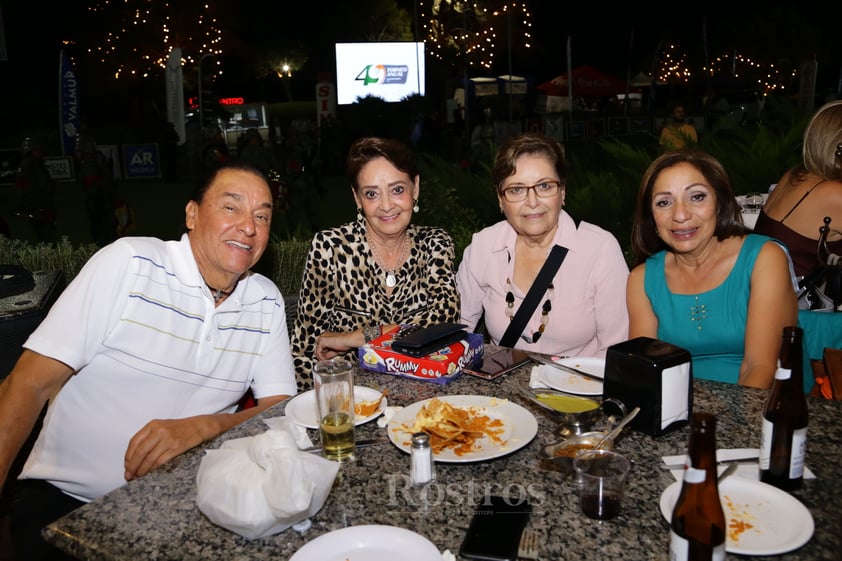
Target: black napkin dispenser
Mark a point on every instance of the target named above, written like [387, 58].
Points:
[655, 376]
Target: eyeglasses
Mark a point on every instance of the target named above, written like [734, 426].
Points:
[518, 193]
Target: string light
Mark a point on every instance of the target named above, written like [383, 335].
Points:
[460, 30]
[768, 78]
[147, 31]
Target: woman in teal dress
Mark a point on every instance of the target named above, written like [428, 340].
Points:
[702, 280]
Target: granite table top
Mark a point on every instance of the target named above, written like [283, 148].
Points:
[156, 517]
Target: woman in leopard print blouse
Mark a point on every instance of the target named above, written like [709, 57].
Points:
[367, 276]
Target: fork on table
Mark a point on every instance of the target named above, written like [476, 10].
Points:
[528, 547]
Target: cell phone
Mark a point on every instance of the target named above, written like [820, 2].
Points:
[495, 529]
[498, 363]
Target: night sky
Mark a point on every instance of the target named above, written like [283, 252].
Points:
[618, 41]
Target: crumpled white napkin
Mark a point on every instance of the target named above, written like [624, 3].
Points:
[387, 415]
[446, 555]
[749, 470]
[286, 423]
[536, 377]
[261, 485]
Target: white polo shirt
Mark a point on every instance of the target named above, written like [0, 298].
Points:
[139, 327]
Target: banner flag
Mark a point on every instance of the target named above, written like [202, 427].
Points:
[4, 55]
[175, 93]
[68, 99]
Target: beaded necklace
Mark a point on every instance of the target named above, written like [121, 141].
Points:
[545, 311]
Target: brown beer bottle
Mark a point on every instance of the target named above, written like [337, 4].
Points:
[783, 440]
[697, 528]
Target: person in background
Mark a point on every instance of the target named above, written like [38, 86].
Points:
[368, 276]
[795, 209]
[482, 141]
[583, 310]
[37, 191]
[146, 355]
[702, 281]
[679, 132]
[168, 140]
[97, 178]
[214, 149]
[255, 152]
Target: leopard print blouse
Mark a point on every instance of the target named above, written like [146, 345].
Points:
[343, 288]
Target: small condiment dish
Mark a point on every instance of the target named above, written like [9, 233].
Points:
[576, 414]
[561, 453]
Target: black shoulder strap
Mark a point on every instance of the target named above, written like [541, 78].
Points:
[536, 291]
[804, 196]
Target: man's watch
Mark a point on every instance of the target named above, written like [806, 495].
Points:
[371, 332]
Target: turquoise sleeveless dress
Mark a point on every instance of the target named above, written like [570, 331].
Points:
[710, 325]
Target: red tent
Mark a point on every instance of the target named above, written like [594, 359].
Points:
[587, 82]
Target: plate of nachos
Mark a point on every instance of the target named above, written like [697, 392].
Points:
[465, 428]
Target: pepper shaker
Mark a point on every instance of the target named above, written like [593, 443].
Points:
[421, 468]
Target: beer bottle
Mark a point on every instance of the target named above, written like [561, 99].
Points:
[697, 527]
[783, 440]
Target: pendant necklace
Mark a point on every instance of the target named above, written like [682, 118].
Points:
[218, 294]
[391, 278]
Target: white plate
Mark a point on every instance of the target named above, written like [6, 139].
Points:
[302, 408]
[573, 383]
[779, 521]
[368, 543]
[519, 427]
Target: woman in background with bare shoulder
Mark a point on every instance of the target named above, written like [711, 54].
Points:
[808, 192]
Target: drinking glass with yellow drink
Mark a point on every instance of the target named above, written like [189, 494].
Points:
[334, 383]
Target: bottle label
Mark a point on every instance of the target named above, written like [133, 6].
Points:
[798, 454]
[783, 374]
[694, 475]
[765, 454]
[680, 549]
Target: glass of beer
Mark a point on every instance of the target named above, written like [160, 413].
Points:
[334, 382]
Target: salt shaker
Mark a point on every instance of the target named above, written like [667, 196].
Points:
[421, 468]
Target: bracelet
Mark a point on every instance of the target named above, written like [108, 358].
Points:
[371, 332]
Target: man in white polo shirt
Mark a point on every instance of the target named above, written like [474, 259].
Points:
[145, 355]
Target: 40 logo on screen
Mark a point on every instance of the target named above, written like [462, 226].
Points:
[383, 74]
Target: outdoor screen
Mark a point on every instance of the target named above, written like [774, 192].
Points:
[390, 71]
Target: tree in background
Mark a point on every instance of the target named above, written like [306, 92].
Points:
[475, 34]
[132, 39]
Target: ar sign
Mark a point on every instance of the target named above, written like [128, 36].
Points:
[141, 160]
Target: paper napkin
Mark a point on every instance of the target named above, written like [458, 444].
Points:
[286, 423]
[749, 469]
[387, 415]
[261, 485]
[536, 377]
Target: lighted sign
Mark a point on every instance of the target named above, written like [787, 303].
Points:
[193, 102]
[391, 71]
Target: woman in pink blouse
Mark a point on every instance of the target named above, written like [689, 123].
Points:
[581, 310]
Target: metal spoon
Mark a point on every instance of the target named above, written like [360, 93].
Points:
[616, 430]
